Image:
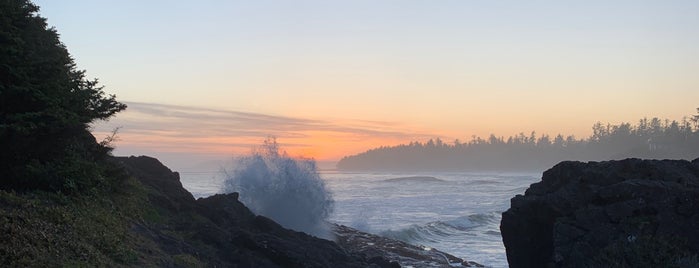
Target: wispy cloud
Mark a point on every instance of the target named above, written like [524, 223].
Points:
[156, 127]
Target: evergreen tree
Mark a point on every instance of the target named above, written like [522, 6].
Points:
[46, 106]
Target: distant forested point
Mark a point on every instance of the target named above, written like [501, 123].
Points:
[649, 138]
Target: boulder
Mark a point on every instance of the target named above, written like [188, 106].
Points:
[627, 213]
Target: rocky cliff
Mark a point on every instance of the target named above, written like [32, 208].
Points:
[628, 213]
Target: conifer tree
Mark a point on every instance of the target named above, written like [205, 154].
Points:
[46, 107]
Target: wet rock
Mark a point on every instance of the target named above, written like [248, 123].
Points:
[397, 252]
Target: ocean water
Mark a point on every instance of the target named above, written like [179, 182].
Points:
[458, 213]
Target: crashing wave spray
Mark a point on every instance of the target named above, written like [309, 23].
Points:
[289, 191]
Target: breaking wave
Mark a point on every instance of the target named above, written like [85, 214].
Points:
[433, 232]
[289, 191]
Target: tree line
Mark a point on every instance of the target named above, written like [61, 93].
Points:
[648, 138]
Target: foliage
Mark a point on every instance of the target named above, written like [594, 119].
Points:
[46, 106]
[46, 229]
[654, 138]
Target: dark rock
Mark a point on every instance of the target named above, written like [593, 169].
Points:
[624, 213]
[386, 252]
[166, 188]
[221, 232]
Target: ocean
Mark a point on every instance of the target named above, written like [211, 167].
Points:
[455, 212]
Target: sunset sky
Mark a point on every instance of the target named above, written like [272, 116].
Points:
[208, 79]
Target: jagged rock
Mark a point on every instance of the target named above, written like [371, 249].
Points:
[221, 232]
[624, 213]
[376, 248]
[167, 190]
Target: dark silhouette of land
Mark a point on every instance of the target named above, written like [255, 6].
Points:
[652, 139]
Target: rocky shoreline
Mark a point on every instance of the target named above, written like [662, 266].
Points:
[219, 231]
[222, 231]
[627, 213]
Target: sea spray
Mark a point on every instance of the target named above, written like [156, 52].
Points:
[361, 221]
[289, 191]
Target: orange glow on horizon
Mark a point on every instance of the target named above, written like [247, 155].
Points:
[147, 128]
[317, 145]
[191, 132]
[330, 148]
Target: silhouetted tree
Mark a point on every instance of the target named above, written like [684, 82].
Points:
[654, 138]
[46, 106]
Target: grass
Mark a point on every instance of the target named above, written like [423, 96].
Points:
[41, 229]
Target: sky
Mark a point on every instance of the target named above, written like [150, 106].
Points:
[333, 78]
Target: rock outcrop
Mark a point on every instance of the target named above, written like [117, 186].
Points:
[375, 247]
[219, 231]
[628, 213]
